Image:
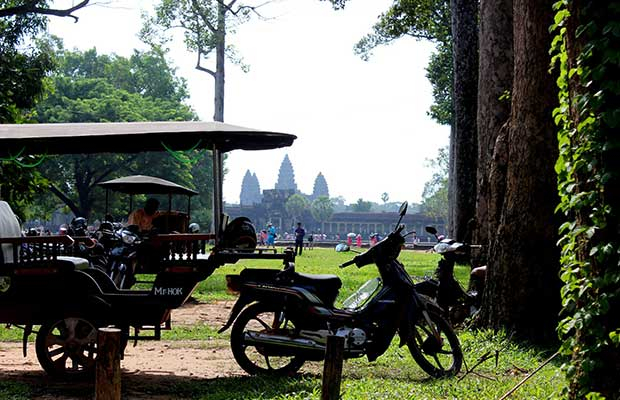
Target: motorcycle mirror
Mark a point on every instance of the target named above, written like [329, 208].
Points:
[402, 211]
[431, 230]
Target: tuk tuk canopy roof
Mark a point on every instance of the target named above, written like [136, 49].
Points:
[133, 137]
[142, 184]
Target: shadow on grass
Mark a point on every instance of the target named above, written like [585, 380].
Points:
[18, 385]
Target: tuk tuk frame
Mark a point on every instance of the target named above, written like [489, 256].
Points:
[140, 309]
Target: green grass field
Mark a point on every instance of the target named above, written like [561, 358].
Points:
[393, 376]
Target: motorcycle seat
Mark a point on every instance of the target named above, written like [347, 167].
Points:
[326, 287]
[76, 262]
[326, 281]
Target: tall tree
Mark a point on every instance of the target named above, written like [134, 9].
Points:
[587, 46]
[322, 209]
[11, 8]
[295, 207]
[522, 291]
[100, 88]
[361, 206]
[463, 137]
[453, 72]
[496, 65]
[435, 194]
[25, 59]
[205, 25]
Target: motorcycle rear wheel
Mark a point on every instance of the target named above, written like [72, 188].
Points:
[438, 358]
[254, 358]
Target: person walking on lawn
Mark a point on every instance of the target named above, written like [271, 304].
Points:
[299, 239]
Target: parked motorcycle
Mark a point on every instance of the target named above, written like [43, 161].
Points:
[123, 257]
[86, 245]
[457, 303]
[283, 318]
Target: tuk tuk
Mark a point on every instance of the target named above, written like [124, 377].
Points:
[51, 293]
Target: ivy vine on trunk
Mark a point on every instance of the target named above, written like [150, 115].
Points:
[587, 48]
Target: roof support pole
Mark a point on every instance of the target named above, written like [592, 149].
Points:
[218, 200]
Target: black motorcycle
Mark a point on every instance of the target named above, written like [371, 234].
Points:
[123, 257]
[86, 244]
[283, 318]
[458, 303]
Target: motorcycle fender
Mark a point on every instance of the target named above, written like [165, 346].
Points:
[404, 328]
[244, 299]
[410, 313]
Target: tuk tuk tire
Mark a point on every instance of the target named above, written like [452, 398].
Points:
[67, 347]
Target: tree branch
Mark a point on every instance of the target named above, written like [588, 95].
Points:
[206, 21]
[65, 199]
[254, 9]
[200, 67]
[31, 7]
[115, 168]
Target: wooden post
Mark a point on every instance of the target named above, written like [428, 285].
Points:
[108, 378]
[332, 368]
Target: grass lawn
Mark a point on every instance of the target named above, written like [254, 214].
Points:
[393, 376]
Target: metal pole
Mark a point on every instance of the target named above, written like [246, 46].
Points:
[217, 192]
[107, 195]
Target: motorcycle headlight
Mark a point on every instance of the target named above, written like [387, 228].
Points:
[441, 248]
[128, 238]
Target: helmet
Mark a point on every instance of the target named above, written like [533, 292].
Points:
[239, 234]
[78, 226]
[194, 228]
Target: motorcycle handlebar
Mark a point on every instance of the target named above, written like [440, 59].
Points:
[346, 264]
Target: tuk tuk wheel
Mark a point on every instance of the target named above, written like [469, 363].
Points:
[67, 348]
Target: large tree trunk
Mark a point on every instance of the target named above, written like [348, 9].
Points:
[465, 146]
[522, 292]
[220, 58]
[591, 166]
[495, 66]
[451, 184]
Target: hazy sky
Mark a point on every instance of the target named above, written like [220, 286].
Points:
[363, 124]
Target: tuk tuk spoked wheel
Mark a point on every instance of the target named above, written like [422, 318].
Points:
[67, 348]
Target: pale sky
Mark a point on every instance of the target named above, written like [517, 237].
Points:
[363, 124]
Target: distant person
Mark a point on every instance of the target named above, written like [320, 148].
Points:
[415, 239]
[311, 241]
[358, 240]
[143, 217]
[271, 235]
[373, 240]
[300, 232]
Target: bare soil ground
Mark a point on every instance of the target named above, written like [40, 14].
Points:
[150, 365]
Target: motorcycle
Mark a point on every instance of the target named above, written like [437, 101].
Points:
[123, 257]
[458, 303]
[283, 318]
[88, 246]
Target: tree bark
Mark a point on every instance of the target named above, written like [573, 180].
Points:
[522, 291]
[595, 359]
[220, 54]
[495, 65]
[465, 58]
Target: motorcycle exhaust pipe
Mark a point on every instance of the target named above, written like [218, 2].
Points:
[257, 338]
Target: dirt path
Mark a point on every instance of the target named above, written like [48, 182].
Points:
[144, 367]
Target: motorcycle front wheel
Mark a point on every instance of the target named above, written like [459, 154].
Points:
[438, 356]
[262, 358]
